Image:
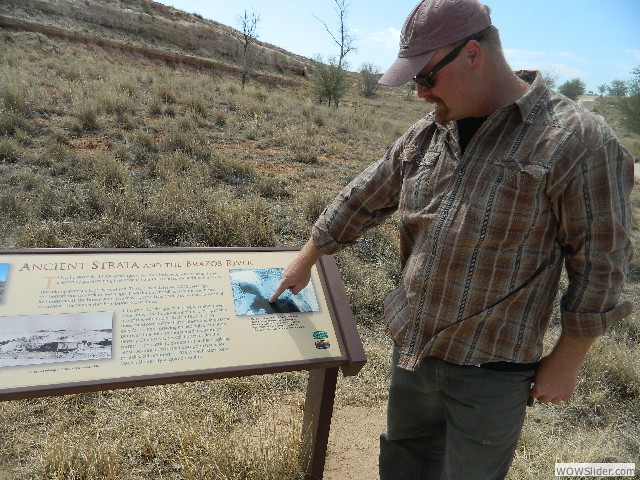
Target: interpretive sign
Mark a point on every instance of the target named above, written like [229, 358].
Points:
[81, 320]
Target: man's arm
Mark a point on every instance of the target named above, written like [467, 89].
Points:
[595, 233]
[557, 373]
[297, 275]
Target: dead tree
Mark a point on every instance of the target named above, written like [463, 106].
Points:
[343, 40]
[248, 27]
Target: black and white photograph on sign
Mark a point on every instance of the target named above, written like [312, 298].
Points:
[71, 337]
[253, 287]
[4, 273]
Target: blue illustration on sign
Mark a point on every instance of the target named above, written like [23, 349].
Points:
[253, 287]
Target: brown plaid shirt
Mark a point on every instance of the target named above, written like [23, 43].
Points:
[484, 234]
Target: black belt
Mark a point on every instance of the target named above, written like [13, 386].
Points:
[509, 366]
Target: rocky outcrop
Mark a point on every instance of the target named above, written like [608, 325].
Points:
[144, 25]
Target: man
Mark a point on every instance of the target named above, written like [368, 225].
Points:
[497, 189]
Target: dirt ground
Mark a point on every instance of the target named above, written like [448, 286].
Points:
[353, 443]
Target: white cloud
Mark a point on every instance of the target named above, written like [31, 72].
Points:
[566, 72]
[620, 71]
[521, 56]
[563, 64]
[524, 59]
[388, 38]
[634, 53]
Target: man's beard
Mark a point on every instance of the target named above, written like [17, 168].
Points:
[440, 110]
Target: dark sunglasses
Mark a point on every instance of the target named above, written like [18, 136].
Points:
[427, 80]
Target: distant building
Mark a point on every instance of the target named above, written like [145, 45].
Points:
[64, 346]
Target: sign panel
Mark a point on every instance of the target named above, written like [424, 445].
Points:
[81, 317]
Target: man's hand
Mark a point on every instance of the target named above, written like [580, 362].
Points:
[553, 383]
[557, 373]
[297, 275]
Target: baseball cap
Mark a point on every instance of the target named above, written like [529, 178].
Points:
[431, 25]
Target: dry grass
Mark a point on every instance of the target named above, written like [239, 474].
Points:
[224, 429]
[112, 152]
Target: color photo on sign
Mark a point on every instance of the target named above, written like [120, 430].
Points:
[253, 287]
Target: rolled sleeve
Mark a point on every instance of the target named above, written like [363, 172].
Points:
[596, 238]
[593, 324]
[323, 240]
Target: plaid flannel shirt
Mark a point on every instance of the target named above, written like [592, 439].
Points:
[484, 234]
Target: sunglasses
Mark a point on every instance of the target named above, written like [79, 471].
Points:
[427, 80]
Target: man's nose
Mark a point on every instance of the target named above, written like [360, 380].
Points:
[423, 92]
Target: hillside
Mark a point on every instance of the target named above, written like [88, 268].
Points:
[148, 28]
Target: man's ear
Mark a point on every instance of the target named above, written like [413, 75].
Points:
[474, 54]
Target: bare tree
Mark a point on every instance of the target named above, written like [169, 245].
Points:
[336, 87]
[248, 27]
[550, 77]
[341, 37]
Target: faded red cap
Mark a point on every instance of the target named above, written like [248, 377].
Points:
[431, 25]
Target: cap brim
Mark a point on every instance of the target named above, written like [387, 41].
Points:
[404, 69]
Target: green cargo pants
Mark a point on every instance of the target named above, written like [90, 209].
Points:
[452, 422]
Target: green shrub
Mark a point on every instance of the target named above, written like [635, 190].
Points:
[196, 104]
[87, 117]
[166, 93]
[14, 99]
[100, 170]
[155, 108]
[314, 203]
[272, 187]
[231, 171]
[9, 151]
[143, 148]
[171, 164]
[220, 118]
[187, 141]
[15, 205]
[11, 123]
[38, 235]
[115, 102]
[572, 88]
[630, 107]
[246, 222]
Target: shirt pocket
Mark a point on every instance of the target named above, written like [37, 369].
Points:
[413, 158]
[521, 180]
[514, 195]
[418, 169]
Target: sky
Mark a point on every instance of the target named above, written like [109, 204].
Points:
[595, 41]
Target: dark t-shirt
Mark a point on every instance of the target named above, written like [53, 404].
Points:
[467, 128]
